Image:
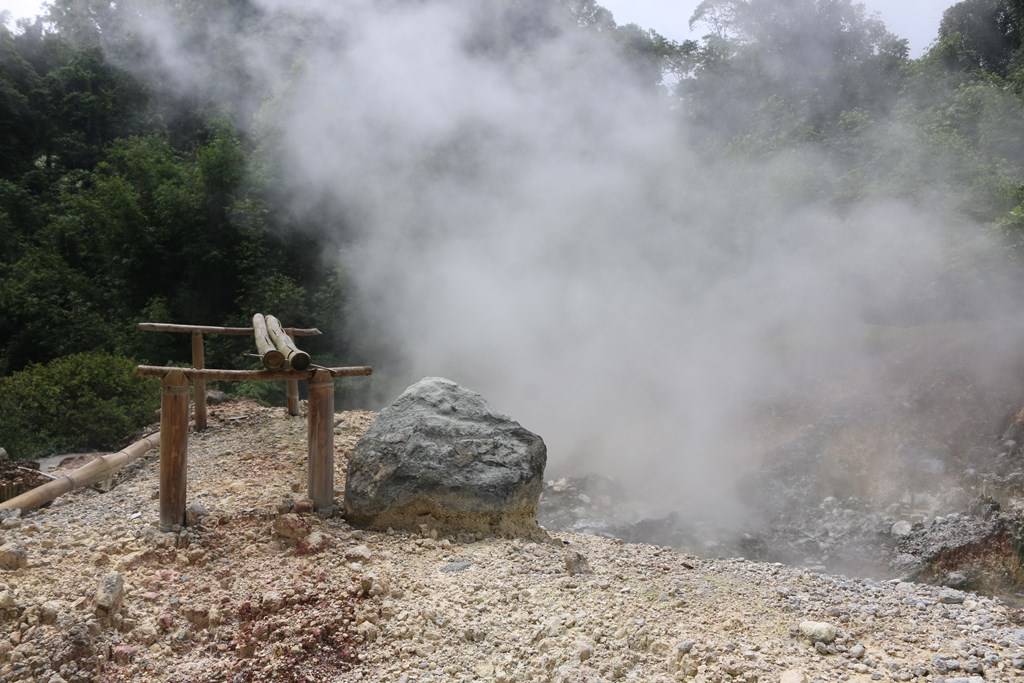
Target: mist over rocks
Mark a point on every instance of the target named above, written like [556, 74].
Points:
[440, 456]
[490, 169]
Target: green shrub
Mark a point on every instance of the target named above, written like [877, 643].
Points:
[79, 402]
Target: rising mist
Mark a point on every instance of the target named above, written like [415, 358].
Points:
[517, 211]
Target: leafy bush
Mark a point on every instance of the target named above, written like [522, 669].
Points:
[79, 402]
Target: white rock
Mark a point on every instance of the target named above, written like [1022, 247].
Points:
[360, 553]
[818, 631]
[902, 528]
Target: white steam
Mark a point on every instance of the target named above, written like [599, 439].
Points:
[530, 222]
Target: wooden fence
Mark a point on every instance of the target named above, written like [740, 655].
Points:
[284, 361]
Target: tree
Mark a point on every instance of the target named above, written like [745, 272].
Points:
[821, 57]
[982, 35]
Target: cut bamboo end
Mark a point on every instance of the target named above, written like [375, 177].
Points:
[272, 358]
[296, 358]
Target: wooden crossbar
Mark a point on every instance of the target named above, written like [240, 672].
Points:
[245, 375]
[209, 329]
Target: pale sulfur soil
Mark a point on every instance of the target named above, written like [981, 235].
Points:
[249, 594]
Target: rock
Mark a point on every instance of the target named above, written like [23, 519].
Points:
[950, 596]
[215, 396]
[818, 631]
[359, 553]
[903, 528]
[441, 451]
[109, 594]
[194, 513]
[291, 526]
[49, 611]
[124, 654]
[793, 676]
[457, 566]
[576, 563]
[12, 556]
[314, 543]
[272, 601]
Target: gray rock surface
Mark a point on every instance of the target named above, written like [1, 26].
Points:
[109, 594]
[440, 456]
[12, 556]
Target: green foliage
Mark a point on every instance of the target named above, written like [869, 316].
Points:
[79, 402]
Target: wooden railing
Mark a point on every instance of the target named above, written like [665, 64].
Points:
[284, 361]
[199, 356]
[174, 417]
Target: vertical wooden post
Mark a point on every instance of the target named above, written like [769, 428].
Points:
[199, 385]
[292, 390]
[173, 449]
[321, 441]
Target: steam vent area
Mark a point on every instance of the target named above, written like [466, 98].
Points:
[446, 553]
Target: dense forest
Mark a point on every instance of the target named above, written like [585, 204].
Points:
[125, 197]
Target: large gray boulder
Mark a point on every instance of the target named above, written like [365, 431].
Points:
[440, 455]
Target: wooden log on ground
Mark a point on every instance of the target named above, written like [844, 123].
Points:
[298, 360]
[271, 357]
[320, 430]
[90, 473]
[210, 329]
[173, 449]
[199, 385]
[211, 374]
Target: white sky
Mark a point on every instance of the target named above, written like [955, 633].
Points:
[24, 8]
[916, 20]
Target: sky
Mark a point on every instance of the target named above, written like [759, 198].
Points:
[22, 8]
[915, 20]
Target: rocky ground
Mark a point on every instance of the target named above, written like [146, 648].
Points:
[256, 588]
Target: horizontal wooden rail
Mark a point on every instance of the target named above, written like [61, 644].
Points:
[238, 331]
[87, 474]
[245, 375]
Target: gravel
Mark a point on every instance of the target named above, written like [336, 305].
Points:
[257, 591]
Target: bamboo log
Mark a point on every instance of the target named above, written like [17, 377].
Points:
[248, 375]
[199, 385]
[298, 360]
[210, 329]
[90, 473]
[320, 436]
[272, 358]
[173, 449]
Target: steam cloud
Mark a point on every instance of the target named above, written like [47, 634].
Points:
[529, 221]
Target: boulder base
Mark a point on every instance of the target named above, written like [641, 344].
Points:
[441, 456]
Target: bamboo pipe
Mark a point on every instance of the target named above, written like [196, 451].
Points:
[87, 474]
[272, 358]
[237, 331]
[246, 375]
[298, 360]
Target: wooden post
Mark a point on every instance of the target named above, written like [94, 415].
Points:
[199, 385]
[173, 449]
[292, 390]
[320, 477]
